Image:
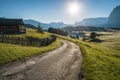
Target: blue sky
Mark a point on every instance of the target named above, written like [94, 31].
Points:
[55, 10]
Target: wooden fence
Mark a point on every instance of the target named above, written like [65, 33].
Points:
[28, 41]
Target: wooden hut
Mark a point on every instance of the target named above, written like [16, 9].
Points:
[11, 25]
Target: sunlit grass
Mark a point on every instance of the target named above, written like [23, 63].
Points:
[100, 61]
[111, 41]
[9, 52]
[33, 33]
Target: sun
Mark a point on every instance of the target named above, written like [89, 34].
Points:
[73, 8]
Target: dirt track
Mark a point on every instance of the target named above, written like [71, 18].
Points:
[63, 63]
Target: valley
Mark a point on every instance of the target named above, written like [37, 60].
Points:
[59, 40]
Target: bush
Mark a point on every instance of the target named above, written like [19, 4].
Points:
[93, 35]
[58, 31]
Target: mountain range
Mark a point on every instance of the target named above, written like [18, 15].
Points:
[98, 22]
[114, 18]
[110, 22]
[45, 25]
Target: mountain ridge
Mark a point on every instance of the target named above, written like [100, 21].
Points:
[112, 21]
[98, 22]
[45, 25]
[114, 18]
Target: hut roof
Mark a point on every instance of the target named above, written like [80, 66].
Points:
[7, 22]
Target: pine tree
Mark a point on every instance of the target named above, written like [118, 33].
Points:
[40, 29]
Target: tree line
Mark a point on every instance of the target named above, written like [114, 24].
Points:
[58, 31]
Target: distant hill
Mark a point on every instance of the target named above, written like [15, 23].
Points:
[57, 24]
[32, 22]
[113, 21]
[98, 22]
[30, 26]
[36, 23]
[45, 25]
[114, 18]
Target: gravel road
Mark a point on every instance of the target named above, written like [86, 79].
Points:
[63, 63]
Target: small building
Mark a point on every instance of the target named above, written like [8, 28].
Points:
[11, 26]
[77, 34]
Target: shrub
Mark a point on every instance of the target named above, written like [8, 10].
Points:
[58, 31]
[93, 35]
[39, 29]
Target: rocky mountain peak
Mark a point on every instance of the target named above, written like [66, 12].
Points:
[114, 18]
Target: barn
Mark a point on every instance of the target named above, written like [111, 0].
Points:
[11, 25]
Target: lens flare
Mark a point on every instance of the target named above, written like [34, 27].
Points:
[73, 8]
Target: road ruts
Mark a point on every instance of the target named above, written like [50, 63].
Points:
[63, 63]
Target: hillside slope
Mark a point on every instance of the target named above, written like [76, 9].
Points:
[98, 22]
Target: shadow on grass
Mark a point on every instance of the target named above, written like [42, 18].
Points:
[96, 40]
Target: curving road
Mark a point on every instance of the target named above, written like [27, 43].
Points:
[63, 63]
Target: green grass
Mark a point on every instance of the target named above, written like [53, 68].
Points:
[33, 33]
[9, 52]
[112, 41]
[101, 62]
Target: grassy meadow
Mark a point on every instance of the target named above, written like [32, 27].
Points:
[111, 41]
[10, 52]
[101, 60]
[32, 33]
